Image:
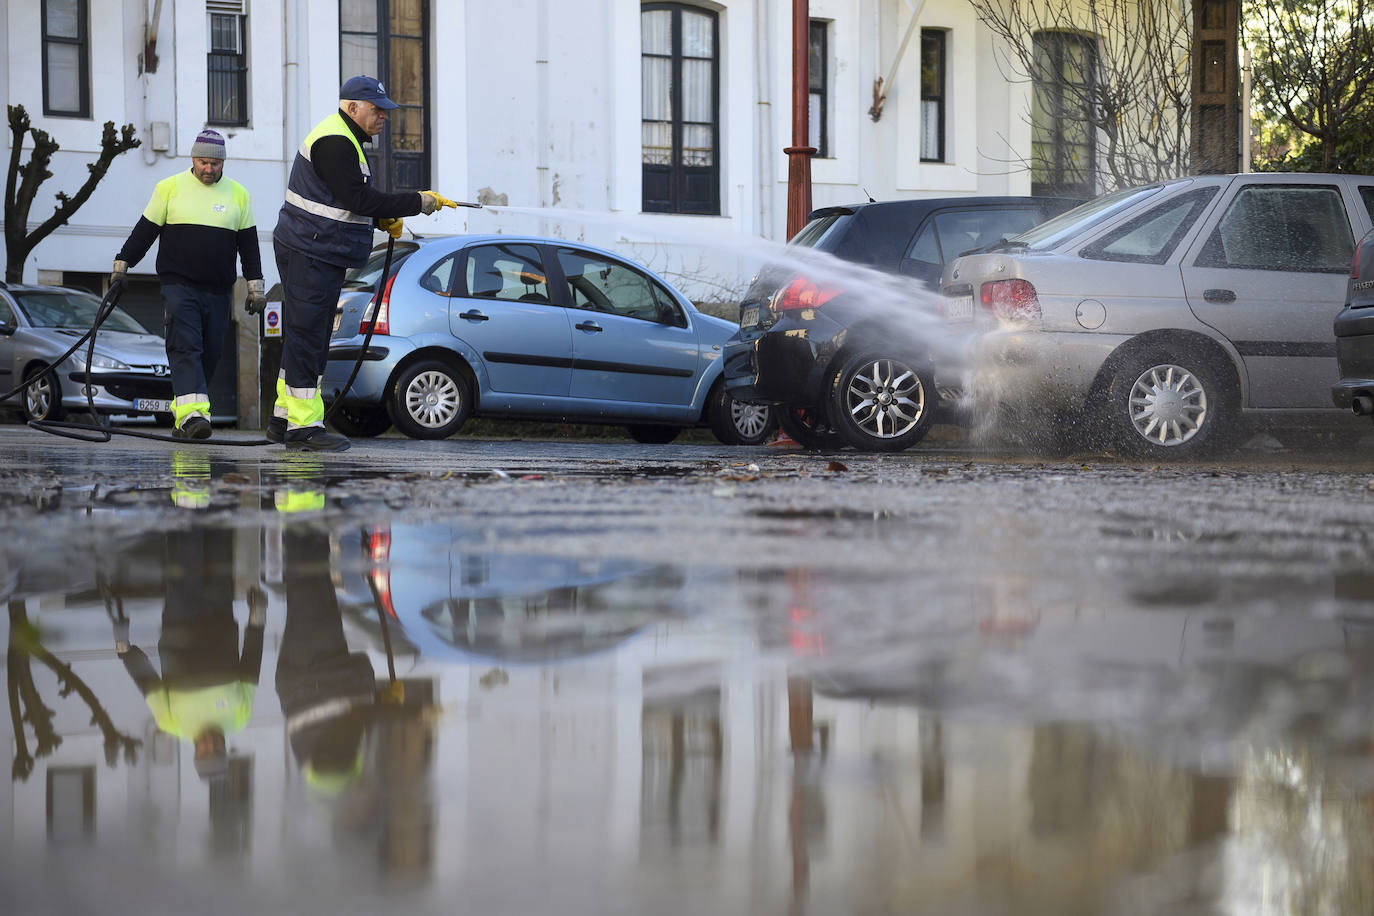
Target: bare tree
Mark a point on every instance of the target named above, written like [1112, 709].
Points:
[1120, 98]
[21, 185]
[27, 706]
[1312, 66]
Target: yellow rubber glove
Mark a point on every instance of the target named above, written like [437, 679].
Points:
[391, 226]
[433, 200]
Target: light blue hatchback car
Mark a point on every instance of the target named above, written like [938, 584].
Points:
[528, 328]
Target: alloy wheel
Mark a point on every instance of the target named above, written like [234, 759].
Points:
[885, 398]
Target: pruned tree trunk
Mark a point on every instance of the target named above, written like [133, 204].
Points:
[24, 178]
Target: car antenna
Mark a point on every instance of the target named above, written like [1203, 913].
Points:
[868, 195]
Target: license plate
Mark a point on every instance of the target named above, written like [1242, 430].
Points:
[153, 405]
[749, 317]
[959, 308]
[338, 319]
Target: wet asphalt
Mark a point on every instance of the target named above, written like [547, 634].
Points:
[525, 676]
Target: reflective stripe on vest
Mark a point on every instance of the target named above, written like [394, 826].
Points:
[312, 219]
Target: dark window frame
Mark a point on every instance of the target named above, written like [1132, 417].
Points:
[677, 173]
[229, 69]
[818, 80]
[938, 93]
[385, 161]
[1060, 180]
[82, 41]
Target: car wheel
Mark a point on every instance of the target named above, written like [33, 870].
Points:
[1169, 404]
[431, 400]
[809, 428]
[739, 423]
[361, 421]
[882, 403]
[653, 433]
[43, 397]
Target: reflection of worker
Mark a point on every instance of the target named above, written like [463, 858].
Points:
[327, 693]
[201, 221]
[206, 688]
[324, 228]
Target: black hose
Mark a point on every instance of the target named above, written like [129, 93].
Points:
[106, 433]
[372, 326]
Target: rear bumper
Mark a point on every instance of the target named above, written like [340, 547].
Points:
[370, 385]
[784, 364]
[1048, 369]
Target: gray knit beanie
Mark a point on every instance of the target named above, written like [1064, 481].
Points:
[209, 145]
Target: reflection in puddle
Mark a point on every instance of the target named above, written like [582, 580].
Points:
[411, 713]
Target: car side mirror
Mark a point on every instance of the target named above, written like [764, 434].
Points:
[7, 329]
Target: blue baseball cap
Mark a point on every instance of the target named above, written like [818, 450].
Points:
[365, 89]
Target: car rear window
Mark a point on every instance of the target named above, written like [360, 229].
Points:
[1098, 210]
[365, 277]
[821, 230]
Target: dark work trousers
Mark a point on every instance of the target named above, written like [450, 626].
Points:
[195, 320]
[199, 644]
[310, 293]
[318, 679]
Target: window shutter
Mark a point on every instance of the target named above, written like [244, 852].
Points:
[236, 7]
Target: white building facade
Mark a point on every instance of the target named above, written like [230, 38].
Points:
[528, 103]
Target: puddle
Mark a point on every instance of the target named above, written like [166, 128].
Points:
[433, 686]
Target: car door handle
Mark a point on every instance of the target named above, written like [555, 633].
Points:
[474, 315]
[588, 326]
[1219, 295]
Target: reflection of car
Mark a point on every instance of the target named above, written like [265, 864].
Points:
[453, 598]
[1354, 328]
[129, 372]
[532, 328]
[839, 363]
[1160, 315]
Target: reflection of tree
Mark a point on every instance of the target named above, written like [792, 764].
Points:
[27, 706]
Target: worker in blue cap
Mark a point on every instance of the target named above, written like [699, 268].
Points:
[324, 228]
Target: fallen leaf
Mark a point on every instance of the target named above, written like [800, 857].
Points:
[835, 466]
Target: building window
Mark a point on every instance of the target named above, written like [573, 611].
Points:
[933, 95]
[66, 59]
[1063, 147]
[681, 109]
[227, 63]
[818, 87]
[389, 39]
[71, 803]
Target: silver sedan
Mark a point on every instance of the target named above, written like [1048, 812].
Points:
[1156, 319]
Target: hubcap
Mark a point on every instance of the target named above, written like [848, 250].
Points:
[1168, 405]
[432, 399]
[886, 398]
[750, 419]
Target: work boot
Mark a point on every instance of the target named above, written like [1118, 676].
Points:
[276, 429]
[316, 439]
[193, 428]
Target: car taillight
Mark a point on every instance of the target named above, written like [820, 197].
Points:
[382, 311]
[1355, 263]
[1014, 299]
[802, 293]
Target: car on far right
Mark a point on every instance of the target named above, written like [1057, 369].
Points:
[1354, 328]
[1168, 320]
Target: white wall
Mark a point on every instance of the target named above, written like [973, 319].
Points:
[536, 102]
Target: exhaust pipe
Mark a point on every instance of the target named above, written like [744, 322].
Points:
[1363, 405]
